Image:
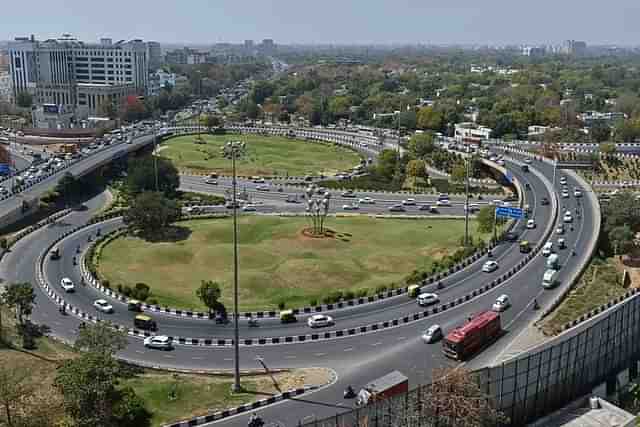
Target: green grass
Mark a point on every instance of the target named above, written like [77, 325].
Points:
[265, 156]
[600, 283]
[277, 263]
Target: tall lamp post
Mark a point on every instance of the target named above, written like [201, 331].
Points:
[318, 208]
[233, 150]
[466, 203]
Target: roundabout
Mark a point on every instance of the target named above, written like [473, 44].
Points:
[266, 155]
[281, 266]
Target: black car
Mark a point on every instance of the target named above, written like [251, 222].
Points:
[544, 201]
[511, 236]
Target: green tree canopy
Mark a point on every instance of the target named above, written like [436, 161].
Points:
[421, 145]
[416, 169]
[621, 238]
[430, 118]
[24, 99]
[141, 176]
[151, 212]
[486, 218]
[21, 298]
[387, 163]
[209, 293]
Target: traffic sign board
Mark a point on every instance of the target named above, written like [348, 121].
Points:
[509, 212]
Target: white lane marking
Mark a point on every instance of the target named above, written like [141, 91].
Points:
[290, 357]
[197, 358]
[376, 343]
[320, 354]
[168, 356]
[140, 351]
[228, 359]
[401, 338]
[348, 349]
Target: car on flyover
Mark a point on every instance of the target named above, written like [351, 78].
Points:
[103, 306]
[350, 194]
[427, 299]
[443, 202]
[211, 181]
[409, 202]
[567, 217]
[67, 285]
[367, 201]
[490, 266]
[563, 180]
[161, 342]
[351, 207]
[257, 180]
[263, 188]
[577, 192]
[249, 208]
[531, 224]
[565, 194]
[319, 321]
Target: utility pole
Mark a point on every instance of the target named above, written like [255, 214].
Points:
[155, 158]
[466, 203]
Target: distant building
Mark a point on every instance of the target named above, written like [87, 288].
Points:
[537, 130]
[51, 116]
[6, 87]
[469, 130]
[76, 75]
[533, 51]
[574, 47]
[160, 79]
[268, 47]
[4, 61]
[248, 45]
[589, 117]
[154, 55]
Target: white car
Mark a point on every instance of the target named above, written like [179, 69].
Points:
[547, 249]
[565, 194]
[433, 334]
[211, 181]
[67, 284]
[262, 188]
[103, 306]
[409, 202]
[367, 201]
[397, 208]
[502, 303]
[161, 342]
[427, 299]
[472, 207]
[527, 160]
[443, 202]
[531, 224]
[258, 180]
[560, 229]
[249, 208]
[563, 180]
[352, 207]
[567, 217]
[577, 193]
[319, 321]
[490, 266]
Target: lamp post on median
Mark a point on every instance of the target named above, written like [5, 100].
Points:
[233, 150]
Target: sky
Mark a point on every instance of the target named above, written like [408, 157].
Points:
[328, 21]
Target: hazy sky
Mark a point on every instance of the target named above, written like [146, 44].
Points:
[328, 21]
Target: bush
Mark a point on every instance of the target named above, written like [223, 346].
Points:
[381, 288]
[281, 305]
[127, 291]
[106, 284]
[349, 295]
[120, 290]
[313, 302]
[141, 291]
[361, 293]
[152, 301]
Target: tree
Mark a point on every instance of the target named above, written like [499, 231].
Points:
[108, 109]
[89, 384]
[141, 176]
[623, 209]
[209, 293]
[387, 163]
[421, 145]
[600, 131]
[459, 173]
[416, 169]
[429, 118]
[100, 338]
[607, 149]
[24, 99]
[68, 186]
[621, 238]
[20, 297]
[133, 110]
[454, 398]
[151, 212]
[485, 219]
[211, 121]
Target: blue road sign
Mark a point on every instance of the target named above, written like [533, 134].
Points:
[508, 212]
[509, 177]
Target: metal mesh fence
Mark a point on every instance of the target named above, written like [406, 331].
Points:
[531, 386]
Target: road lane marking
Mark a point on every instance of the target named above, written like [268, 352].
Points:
[376, 343]
[140, 351]
[348, 349]
[168, 356]
[401, 338]
[290, 357]
[320, 354]
[197, 358]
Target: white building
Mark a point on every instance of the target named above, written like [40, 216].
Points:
[77, 75]
[159, 80]
[469, 130]
[6, 88]
[154, 55]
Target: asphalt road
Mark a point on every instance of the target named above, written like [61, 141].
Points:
[358, 359]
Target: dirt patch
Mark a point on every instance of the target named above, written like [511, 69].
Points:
[308, 233]
[634, 272]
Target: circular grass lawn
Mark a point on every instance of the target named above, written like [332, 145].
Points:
[265, 155]
[278, 263]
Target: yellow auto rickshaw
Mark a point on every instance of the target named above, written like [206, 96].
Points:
[287, 316]
[413, 291]
[525, 247]
[142, 321]
[134, 305]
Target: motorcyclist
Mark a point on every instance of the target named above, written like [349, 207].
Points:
[255, 421]
[535, 304]
[74, 260]
[349, 393]
[78, 249]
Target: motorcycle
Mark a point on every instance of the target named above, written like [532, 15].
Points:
[253, 323]
[535, 304]
[349, 393]
[74, 261]
[78, 249]
[255, 421]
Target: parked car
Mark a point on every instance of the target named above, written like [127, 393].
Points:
[161, 342]
[319, 321]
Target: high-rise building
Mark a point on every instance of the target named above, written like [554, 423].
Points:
[154, 55]
[574, 47]
[248, 44]
[267, 46]
[76, 75]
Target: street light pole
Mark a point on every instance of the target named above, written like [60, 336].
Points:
[155, 159]
[466, 203]
[233, 149]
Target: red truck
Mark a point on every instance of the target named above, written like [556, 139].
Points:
[384, 387]
[480, 331]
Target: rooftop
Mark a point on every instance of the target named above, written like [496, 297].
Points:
[581, 414]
